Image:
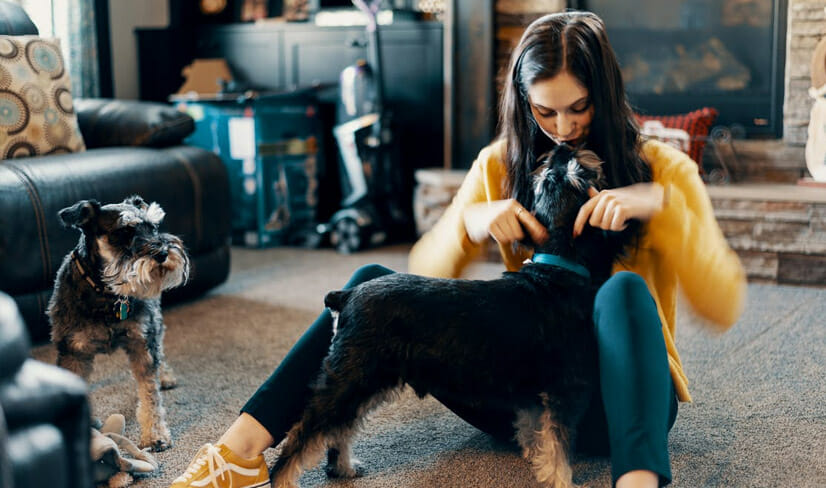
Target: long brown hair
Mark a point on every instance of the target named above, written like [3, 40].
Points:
[576, 42]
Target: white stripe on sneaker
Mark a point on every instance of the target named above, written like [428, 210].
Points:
[224, 468]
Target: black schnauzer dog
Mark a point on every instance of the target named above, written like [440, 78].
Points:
[524, 340]
[107, 296]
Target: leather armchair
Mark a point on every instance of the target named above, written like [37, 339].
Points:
[44, 415]
[132, 148]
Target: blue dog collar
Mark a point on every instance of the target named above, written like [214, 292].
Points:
[555, 260]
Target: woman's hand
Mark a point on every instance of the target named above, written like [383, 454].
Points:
[612, 209]
[504, 220]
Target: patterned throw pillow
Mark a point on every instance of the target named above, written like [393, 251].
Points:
[697, 123]
[36, 111]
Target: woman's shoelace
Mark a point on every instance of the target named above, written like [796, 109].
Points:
[210, 455]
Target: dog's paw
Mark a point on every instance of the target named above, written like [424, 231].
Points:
[168, 382]
[355, 470]
[167, 378]
[161, 444]
[157, 443]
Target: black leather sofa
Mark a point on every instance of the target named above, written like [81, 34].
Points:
[133, 148]
[44, 415]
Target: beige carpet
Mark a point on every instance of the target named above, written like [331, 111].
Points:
[759, 417]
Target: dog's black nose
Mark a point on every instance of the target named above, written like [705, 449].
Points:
[161, 256]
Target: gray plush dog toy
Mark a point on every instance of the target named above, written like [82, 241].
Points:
[115, 458]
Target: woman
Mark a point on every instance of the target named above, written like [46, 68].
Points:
[564, 86]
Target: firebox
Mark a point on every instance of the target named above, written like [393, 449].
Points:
[680, 55]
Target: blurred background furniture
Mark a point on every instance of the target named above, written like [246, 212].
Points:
[272, 55]
[44, 415]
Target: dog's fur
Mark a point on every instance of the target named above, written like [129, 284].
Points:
[119, 257]
[524, 341]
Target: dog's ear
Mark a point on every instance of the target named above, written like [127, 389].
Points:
[136, 201]
[590, 161]
[154, 213]
[79, 214]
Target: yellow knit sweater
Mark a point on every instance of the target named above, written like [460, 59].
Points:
[681, 245]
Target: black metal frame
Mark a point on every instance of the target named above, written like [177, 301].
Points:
[669, 104]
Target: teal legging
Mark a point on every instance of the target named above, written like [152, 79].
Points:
[632, 413]
[639, 405]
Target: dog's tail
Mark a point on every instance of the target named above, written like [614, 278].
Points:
[335, 300]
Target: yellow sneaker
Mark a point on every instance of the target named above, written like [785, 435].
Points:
[218, 467]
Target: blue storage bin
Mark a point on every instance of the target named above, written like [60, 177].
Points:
[272, 147]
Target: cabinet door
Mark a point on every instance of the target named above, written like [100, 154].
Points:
[318, 55]
[254, 54]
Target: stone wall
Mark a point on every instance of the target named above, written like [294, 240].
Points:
[806, 25]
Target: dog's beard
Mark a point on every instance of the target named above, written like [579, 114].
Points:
[176, 268]
[144, 277]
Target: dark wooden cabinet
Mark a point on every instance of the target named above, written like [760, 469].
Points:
[282, 56]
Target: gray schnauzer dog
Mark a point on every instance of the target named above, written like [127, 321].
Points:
[107, 296]
[522, 344]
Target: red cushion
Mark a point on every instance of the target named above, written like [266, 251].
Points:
[697, 124]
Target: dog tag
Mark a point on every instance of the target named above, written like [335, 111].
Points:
[122, 309]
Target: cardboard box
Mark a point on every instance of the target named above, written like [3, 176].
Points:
[204, 77]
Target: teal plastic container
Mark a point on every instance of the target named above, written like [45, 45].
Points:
[272, 147]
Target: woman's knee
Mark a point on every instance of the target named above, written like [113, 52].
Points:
[624, 294]
[367, 273]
